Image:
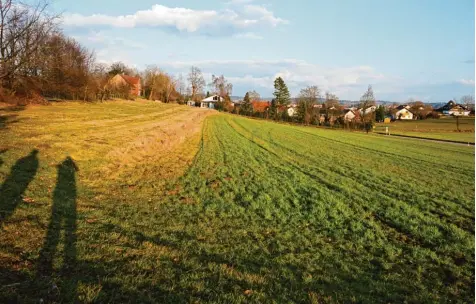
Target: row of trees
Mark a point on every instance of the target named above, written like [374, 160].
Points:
[38, 60]
[314, 108]
[309, 109]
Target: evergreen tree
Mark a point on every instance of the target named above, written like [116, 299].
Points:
[281, 94]
[246, 107]
[380, 113]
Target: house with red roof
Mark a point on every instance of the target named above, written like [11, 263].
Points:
[260, 106]
[134, 83]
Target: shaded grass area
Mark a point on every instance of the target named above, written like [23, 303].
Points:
[444, 128]
[245, 211]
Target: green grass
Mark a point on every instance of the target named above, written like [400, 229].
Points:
[444, 128]
[242, 211]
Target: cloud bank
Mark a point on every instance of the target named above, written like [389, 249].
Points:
[468, 82]
[347, 82]
[185, 20]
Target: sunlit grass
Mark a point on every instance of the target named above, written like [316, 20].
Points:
[235, 211]
[444, 128]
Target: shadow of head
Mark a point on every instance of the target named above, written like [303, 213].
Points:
[68, 164]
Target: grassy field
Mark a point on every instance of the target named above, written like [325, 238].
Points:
[444, 128]
[123, 202]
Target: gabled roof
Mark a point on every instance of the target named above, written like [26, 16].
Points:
[401, 109]
[260, 106]
[451, 105]
[213, 98]
[131, 80]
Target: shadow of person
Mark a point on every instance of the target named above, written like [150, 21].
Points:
[63, 217]
[21, 174]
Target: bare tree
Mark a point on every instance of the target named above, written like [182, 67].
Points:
[120, 68]
[180, 85]
[254, 96]
[308, 97]
[159, 84]
[196, 81]
[65, 69]
[331, 105]
[366, 101]
[221, 86]
[151, 80]
[100, 77]
[468, 101]
[170, 83]
[23, 30]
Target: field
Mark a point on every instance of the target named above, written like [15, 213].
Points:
[142, 202]
[444, 128]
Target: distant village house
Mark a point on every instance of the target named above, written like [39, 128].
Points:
[454, 109]
[211, 101]
[260, 106]
[403, 113]
[122, 80]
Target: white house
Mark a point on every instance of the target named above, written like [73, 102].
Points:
[404, 114]
[452, 108]
[291, 111]
[368, 110]
[349, 115]
[210, 102]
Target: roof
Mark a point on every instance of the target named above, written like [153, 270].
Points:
[260, 106]
[401, 109]
[130, 79]
[213, 98]
[451, 105]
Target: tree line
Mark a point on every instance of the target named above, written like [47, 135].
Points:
[312, 107]
[37, 61]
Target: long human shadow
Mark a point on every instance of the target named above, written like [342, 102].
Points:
[63, 217]
[12, 189]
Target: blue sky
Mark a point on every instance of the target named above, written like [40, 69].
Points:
[406, 49]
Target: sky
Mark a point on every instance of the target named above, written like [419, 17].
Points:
[404, 48]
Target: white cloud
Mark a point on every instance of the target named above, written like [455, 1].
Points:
[184, 19]
[264, 14]
[469, 82]
[249, 35]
